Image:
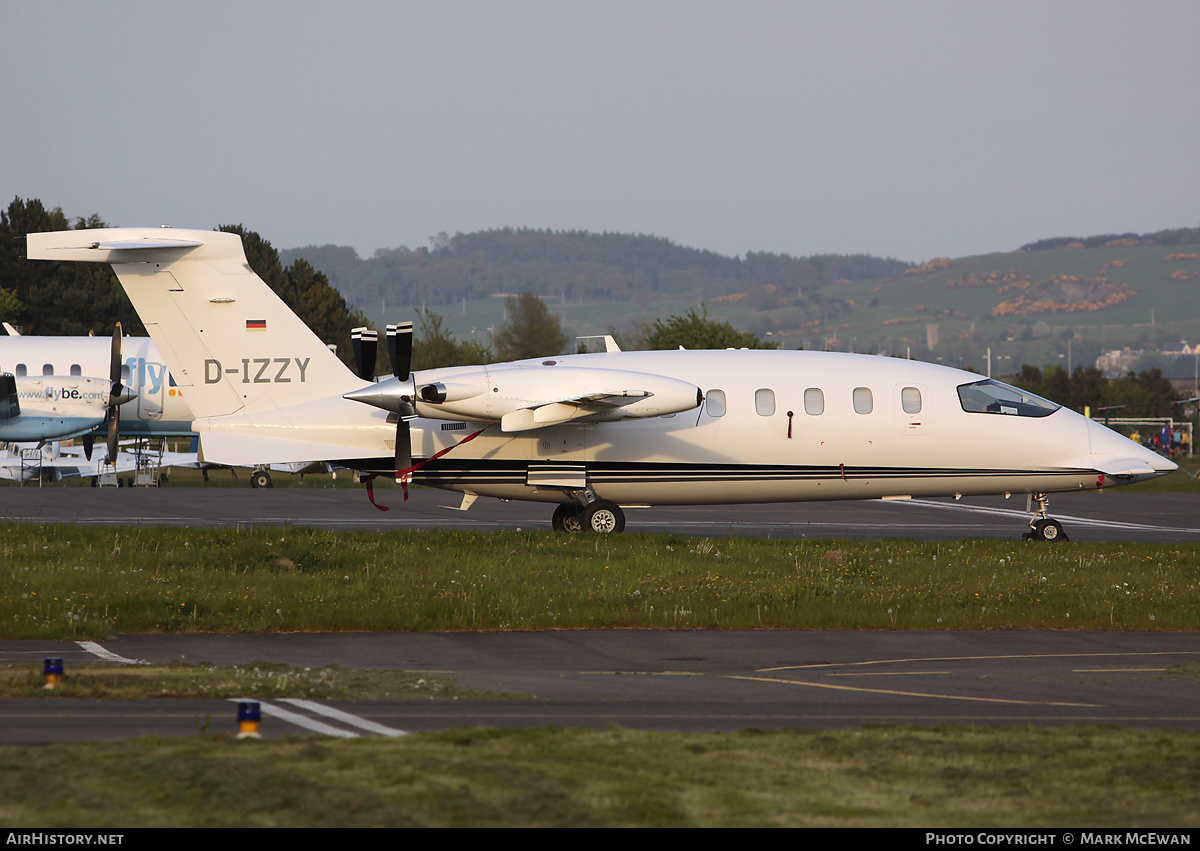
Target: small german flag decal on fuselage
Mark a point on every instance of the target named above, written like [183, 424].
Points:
[256, 325]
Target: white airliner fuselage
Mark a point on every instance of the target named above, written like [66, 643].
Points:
[594, 431]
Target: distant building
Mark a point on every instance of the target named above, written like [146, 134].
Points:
[1182, 370]
[1117, 362]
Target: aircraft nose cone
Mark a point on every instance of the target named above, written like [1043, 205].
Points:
[1123, 452]
[1161, 464]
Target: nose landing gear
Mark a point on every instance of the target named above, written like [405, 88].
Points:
[1043, 528]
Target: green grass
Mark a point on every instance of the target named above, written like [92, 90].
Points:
[878, 776]
[90, 582]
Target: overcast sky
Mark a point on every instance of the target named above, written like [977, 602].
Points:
[903, 129]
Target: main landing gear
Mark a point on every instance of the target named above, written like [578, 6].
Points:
[599, 515]
[1043, 528]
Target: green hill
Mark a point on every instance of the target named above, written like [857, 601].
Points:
[1056, 300]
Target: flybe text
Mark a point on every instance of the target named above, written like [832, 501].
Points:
[62, 394]
[258, 370]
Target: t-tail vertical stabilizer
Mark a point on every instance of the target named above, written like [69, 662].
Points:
[231, 344]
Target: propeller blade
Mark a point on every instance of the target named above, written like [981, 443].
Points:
[403, 445]
[89, 440]
[405, 412]
[114, 367]
[114, 431]
[365, 342]
[116, 391]
[399, 340]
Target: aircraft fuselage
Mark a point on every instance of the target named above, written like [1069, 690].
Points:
[779, 426]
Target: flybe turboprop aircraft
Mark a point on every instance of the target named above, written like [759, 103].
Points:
[54, 407]
[592, 432]
[153, 404]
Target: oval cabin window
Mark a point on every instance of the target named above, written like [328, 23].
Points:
[714, 403]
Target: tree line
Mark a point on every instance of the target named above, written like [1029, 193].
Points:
[574, 265]
[1143, 394]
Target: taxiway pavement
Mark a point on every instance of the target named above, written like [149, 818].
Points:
[1094, 516]
[665, 680]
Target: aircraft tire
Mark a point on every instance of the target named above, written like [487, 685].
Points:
[604, 517]
[1048, 529]
[261, 479]
[568, 517]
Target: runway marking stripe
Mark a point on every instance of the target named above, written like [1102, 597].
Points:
[344, 717]
[106, 655]
[1012, 512]
[978, 659]
[918, 693]
[298, 719]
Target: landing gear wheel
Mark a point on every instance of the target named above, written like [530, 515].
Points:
[603, 517]
[1047, 529]
[261, 479]
[568, 517]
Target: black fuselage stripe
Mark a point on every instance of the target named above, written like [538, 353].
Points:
[516, 472]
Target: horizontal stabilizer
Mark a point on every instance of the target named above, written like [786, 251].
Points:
[74, 245]
[145, 244]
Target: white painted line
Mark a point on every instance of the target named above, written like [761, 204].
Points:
[344, 717]
[106, 655]
[298, 719]
[1011, 512]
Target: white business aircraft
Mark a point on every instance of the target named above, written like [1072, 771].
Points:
[592, 432]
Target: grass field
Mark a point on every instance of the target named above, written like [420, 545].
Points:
[878, 776]
[88, 582]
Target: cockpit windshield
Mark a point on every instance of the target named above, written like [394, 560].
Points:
[992, 397]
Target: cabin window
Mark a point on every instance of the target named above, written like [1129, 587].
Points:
[910, 400]
[715, 403]
[76, 369]
[47, 369]
[126, 374]
[20, 371]
[814, 402]
[992, 397]
[764, 402]
[863, 404]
